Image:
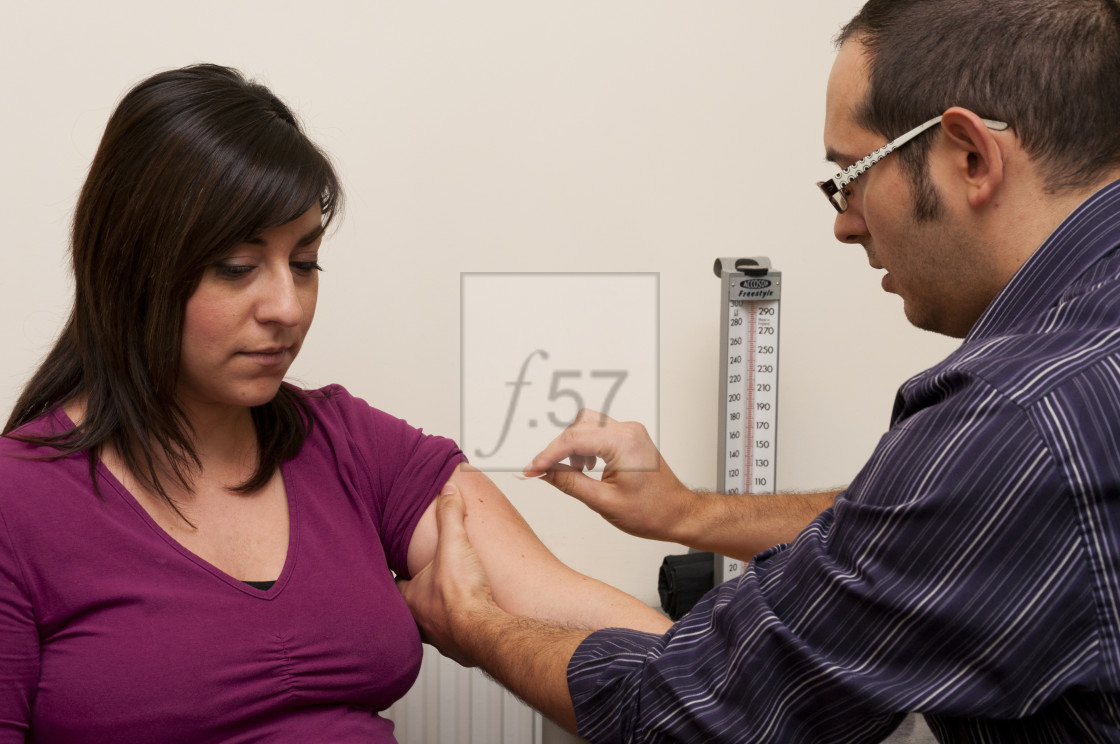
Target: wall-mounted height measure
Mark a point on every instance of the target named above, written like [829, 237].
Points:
[750, 295]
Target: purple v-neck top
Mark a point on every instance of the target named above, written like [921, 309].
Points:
[110, 631]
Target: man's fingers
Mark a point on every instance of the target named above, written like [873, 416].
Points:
[561, 475]
[582, 462]
[581, 443]
[588, 417]
[454, 580]
[577, 485]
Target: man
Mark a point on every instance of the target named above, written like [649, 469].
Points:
[971, 571]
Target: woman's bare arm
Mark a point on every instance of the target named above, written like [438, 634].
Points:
[526, 579]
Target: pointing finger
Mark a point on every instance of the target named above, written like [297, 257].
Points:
[581, 443]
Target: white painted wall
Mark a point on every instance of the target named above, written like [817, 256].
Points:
[503, 135]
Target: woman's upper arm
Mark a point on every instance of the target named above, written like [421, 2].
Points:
[525, 577]
[495, 528]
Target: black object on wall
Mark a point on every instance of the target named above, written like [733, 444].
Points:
[683, 580]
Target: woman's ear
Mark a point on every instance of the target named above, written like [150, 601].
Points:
[978, 154]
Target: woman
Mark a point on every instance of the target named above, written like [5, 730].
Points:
[192, 550]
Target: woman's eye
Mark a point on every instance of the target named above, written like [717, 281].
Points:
[306, 267]
[232, 271]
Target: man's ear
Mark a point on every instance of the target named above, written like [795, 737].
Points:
[978, 157]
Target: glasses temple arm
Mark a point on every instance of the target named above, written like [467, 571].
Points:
[856, 169]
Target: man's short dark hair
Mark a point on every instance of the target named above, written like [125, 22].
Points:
[1049, 68]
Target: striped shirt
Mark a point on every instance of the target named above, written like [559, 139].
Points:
[971, 572]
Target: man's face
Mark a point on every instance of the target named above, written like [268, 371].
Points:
[930, 261]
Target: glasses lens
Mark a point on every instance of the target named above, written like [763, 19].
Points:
[835, 195]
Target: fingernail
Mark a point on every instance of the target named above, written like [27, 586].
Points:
[524, 476]
[448, 489]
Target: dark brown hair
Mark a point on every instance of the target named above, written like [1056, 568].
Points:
[193, 162]
[1049, 68]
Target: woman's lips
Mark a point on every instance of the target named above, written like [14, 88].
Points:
[267, 357]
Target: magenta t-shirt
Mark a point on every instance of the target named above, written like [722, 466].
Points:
[110, 631]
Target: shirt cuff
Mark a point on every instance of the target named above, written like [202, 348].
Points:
[603, 679]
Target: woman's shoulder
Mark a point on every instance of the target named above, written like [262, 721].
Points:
[339, 415]
[335, 402]
[32, 473]
[24, 441]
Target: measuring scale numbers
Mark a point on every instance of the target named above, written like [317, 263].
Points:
[750, 303]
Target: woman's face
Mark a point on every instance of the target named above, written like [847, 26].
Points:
[247, 319]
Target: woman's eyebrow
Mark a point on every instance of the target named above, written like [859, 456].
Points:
[311, 236]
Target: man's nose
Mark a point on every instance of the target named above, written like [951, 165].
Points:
[850, 227]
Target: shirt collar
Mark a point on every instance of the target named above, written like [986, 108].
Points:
[1090, 232]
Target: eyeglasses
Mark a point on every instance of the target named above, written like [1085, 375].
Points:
[836, 188]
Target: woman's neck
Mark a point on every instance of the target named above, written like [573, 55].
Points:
[222, 433]
[223, 437]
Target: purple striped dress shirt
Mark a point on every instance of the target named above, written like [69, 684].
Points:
[971, 572]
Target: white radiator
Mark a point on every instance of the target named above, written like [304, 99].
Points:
[452, 705]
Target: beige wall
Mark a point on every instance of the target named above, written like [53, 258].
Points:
[494, 135]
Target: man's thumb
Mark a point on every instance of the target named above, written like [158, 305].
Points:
[450, 511]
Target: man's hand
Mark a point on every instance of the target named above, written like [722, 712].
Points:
[451, 594]
[638, 493]
[451, 601]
